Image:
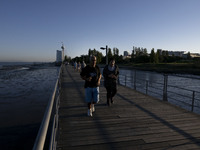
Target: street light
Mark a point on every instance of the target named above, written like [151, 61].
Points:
[105, 48]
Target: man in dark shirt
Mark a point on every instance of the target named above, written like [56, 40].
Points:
[110, 73]
[92, 76]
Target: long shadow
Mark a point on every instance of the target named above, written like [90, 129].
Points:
[104, 133]
[188, 136]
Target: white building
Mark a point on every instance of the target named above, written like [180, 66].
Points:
[126, 55]
[59, 56]
[195, 55]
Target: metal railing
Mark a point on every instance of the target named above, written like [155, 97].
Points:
[185, 98]
[50, 113]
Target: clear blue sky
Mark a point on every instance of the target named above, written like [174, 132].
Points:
[32, 30]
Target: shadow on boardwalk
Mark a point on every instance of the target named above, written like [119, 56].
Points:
[135, 121]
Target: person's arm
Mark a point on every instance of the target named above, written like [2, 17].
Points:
[117, 71]
[99, 80]
[83, 75]
[99, 75]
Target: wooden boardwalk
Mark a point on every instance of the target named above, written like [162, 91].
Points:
[135, 121]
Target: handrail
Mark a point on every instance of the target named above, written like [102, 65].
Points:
[163, 91]
[41, 136]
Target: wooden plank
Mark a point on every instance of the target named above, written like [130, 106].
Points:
[134, 121]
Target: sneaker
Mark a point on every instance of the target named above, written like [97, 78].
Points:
[89, 112]
[92, 107]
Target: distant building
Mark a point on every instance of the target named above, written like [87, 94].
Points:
[126, 55]
[59, 57]
[177, 53]
[194, 55]
[173, 53]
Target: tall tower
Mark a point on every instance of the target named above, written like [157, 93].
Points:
[63, 48]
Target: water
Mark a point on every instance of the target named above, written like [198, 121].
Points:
[25, 89]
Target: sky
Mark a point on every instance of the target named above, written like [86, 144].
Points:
[32, 30]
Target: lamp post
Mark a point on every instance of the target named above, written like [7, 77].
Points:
[63, 55]
[105, 48]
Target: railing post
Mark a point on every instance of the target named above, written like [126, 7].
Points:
[193, 95]
[147, 83]
[135, 80]
[125, 80]
[165, 87]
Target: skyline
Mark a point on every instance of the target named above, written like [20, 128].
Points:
[34, 30]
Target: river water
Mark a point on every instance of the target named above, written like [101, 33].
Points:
[25, 89]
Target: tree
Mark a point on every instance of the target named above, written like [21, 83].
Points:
[99, 56]
[89, 52]
[145, 51]
[152, 56]
[133, 55]
[114, 51]
[96, 53]
[68, 59]
[157, 57]
[109, 53]
[117, 52]
[188, 56]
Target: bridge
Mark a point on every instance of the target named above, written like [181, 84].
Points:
[135, 121]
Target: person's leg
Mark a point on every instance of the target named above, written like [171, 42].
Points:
[89, 105]
[108, 95]
[89, 113]
[95, 97]
[114, 91]
[88, 98]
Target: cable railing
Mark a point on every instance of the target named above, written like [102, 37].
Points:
[50, 119]
[180, 96]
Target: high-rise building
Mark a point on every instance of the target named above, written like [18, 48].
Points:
[60, 55]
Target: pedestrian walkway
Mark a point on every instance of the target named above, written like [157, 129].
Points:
[135, 121]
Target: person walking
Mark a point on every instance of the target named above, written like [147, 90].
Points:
[83, 65]
[110, 73]
[92, 76]
[75, 65]
[79, 66]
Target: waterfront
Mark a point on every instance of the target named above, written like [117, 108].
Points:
[25, 91]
